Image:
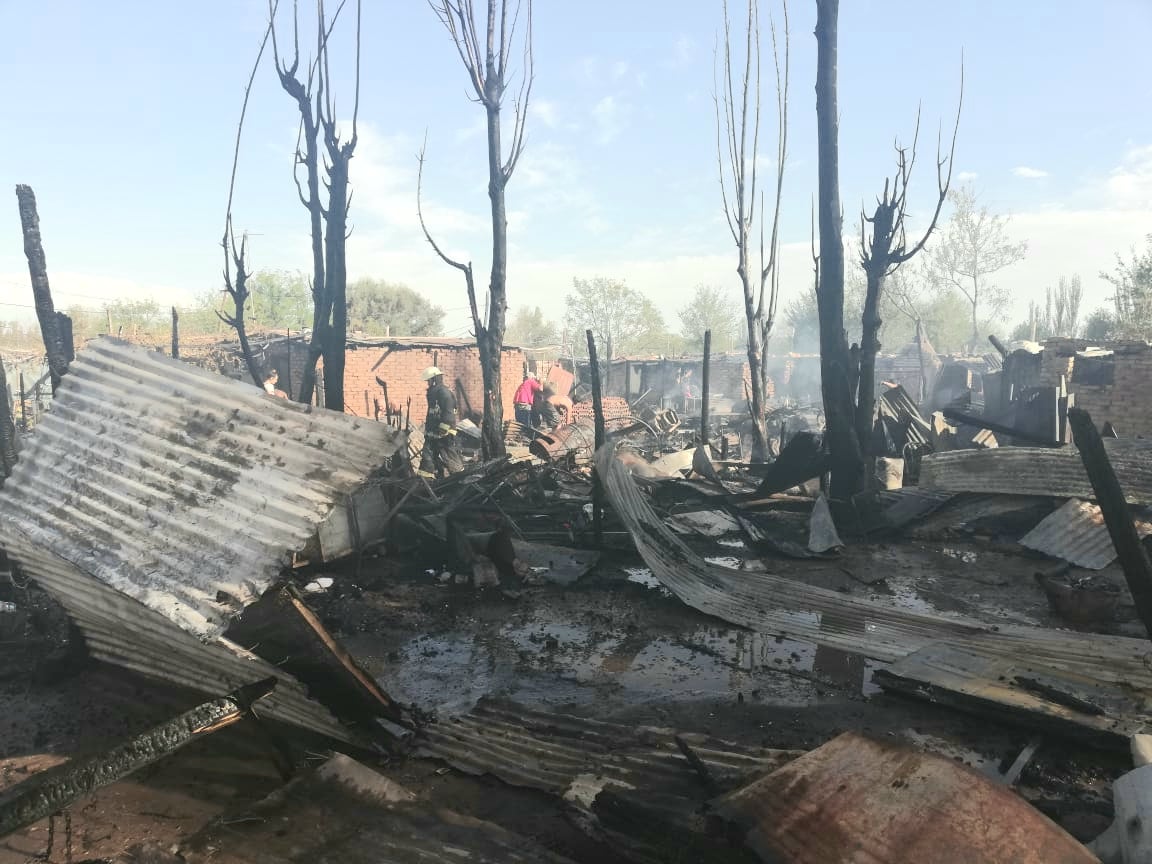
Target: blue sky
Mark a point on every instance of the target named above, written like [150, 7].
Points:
[122, 115]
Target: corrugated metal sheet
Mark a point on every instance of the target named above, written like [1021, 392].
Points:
[858, 800]
[549, 752]
[156, 500]
[786, 607]
[1077, 533]
[1057, 472]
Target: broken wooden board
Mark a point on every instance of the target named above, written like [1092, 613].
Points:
[859, 801]
[1081, 703]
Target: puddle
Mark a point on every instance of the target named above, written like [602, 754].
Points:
[545, 662]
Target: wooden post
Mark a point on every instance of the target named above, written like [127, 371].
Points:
[288, 362]
[23, 406]
[175, 333]
[598, 415]
[704, 388]
[1133, 557]
[7, 429]
[42, 294]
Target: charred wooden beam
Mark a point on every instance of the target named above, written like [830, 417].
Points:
[1110, 496]
[7, 429]
[42, 294]
[51, 791]
[598, 416]
[704, 388]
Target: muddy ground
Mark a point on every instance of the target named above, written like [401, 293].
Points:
[613, 646]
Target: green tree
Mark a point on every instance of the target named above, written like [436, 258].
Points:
[622, 320]
[710, 309]
[1131, 280]
[973, 246]
[528, 328]
[1101, 324]
[391, 309]
[133, 318]
[278, 300]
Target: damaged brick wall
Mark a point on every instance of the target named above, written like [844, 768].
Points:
[401, 363]
[1126, 401]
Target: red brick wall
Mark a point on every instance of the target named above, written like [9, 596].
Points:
[402, 367]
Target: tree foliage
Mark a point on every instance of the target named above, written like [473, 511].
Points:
[972, 246]
[1131, 280]
[528, 328]
[622, 320]
[1101, 324]
[391, 309]
[710, 309]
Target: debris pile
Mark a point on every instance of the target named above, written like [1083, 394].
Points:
[646, 650]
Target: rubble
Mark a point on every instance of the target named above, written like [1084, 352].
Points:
[662, 682]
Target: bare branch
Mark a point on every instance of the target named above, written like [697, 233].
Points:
[520, 124]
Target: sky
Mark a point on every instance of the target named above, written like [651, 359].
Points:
[122, 116]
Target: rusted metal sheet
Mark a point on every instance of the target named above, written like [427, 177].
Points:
[155, 501]
[875, 629]
[1056, 472]
[345, 812]
[858, 801]
[1077, 533]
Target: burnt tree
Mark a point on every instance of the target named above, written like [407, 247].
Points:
[488, 64]
[236, 283]
[319, 136]
[737, 152]
[58, 353]
[881, 254]
[835, 360]
[8, 437]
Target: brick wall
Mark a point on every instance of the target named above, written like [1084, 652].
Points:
[401, 365]
[1126, 402]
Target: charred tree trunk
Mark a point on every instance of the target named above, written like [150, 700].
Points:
[923, 394]
[336, 277]
[869, 348]
[7, 428]
[38, 270]
[756, 374]
[490, 338]
[175, 334]
[321, 303]
[839, 414]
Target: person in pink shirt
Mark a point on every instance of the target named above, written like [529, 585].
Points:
[525, 397]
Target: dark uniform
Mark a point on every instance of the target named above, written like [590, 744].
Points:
[440, 456]
[544, 416]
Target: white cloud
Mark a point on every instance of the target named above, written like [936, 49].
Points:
[610, 116]
[966, 176]
[619, 69]
[684, 50]
[1029, 173]
[1130, 183]
[544, 112]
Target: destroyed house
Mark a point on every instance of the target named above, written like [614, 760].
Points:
[1110, 380]
[667, 381]
[396, 363]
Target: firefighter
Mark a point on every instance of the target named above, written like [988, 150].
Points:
[440, 456]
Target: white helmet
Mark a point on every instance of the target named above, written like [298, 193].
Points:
[430, 373]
